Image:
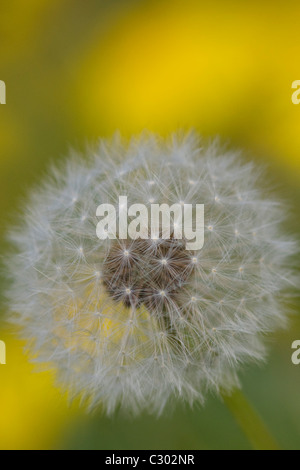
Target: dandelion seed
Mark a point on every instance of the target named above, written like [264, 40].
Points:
[137, 335]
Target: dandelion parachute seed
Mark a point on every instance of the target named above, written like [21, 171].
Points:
[133, 323]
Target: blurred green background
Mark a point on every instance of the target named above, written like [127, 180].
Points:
[76, 70]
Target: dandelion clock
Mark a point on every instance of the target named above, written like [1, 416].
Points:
[136, 322]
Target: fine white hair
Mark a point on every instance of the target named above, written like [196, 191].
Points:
[67, 285]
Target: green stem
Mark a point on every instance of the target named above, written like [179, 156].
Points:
[250, 422]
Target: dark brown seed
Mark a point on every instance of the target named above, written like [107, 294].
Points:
[146, 272]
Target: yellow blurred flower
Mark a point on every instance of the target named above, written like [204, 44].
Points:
[33, 412]
[223, 67]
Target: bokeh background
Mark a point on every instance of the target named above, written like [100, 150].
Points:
[76, 70]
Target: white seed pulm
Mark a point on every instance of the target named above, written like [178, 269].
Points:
[134, 323]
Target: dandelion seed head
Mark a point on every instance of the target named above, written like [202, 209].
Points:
[132, 323]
